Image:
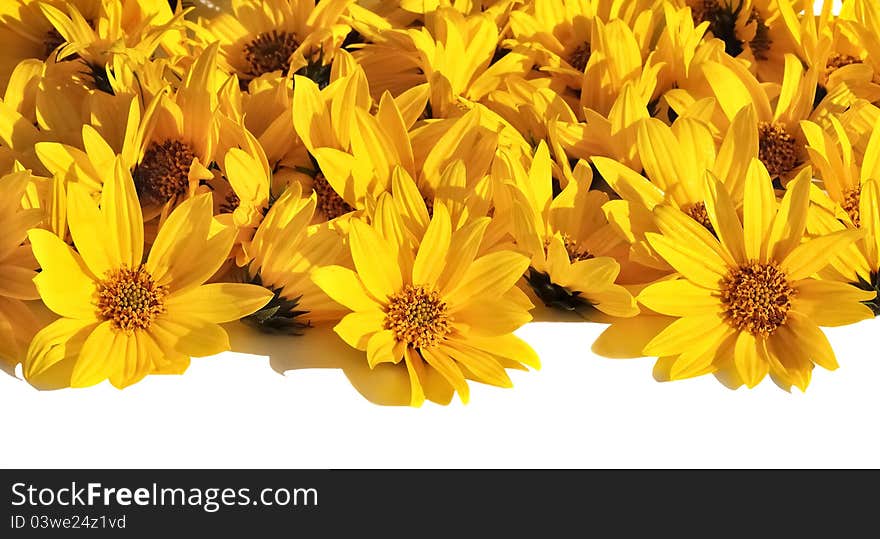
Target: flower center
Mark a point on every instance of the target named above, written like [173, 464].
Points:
[777, 149]
[698, 213]
[270, 51]
[418, 317]
[164, 171]
[575, 253]
[851, 200]
[756, 298]
[722, 18]
[580, 56]
[330, 204]
[130, 299]
[230, 203]
[52, 41]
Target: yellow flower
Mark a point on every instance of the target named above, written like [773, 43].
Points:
[675, 159]
[453, 53]
[17, 270]
[747, 303]
[850, 201]
[167, 146]
[435, 305]
[284, 251]
[122, 318]
[279, 36]
[569, 240]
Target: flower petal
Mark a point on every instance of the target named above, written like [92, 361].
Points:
[65, 284]
[357, 328]
[679, 298]
[750, 357]
[218, 302]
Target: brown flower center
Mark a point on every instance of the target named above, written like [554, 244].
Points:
[851, 200]
[52, 41]
[330, 203]
[760, 44]
[163, 173]
[698, 213]
[130, 299]
[756, 298]
[418, 317]
[230, 203]
[777, 149]
[580, 56]
[270, 51]
[722, 17]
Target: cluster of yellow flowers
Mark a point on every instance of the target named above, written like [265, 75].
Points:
[702, 175]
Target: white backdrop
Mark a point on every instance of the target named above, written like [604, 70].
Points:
[578, 411]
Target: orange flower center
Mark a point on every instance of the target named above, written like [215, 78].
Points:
[777, 149]
[418, 317]
[130, 299]
[163, 173]
[851, 200]
[330, 203]
[756, 298]
[270, 51]
[698, 213]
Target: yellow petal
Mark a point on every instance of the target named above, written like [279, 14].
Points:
[60, 340]
[381, 348]
[431, 258]
[415, 368]
[344, 287]
[189, 336]
[490, 276]
[123, 218]
[869, 213]
[626, 338]
[218, 302]
[724, 219]
[17, 282]
[694, 265]
[65, 284]
[357, 328]
[813, 255]
[678, 227]
[790, 222]
[681, 335]
[450, 371]
[759, 209]
[679, 298]
[830, 304]
[506, 346]
[750, 356]
[100, 356]
[375, 261]
[480, 365]
[89, 231]
[811, 338]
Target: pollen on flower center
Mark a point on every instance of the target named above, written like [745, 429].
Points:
[777, 149]
[330, 203]
[756, 297]
[575, 252]
[418, 317]
[580, 56]
[230, 203]
[130, 299]
[270, 51]
[698, 213]
[164, 171]
[851, 200]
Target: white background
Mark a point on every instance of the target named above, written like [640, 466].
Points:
[578, 411]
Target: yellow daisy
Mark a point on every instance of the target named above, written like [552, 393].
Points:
[122, 318]
[747, 302]
[443, 311]
[675, 159]
[17, 265]
[279, 36]
[850, 201]
[283, 253]
[167, 146]
[569, 240]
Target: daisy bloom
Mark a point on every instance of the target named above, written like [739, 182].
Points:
[17, 267]
[569, 239]
[437, 309]
[747, 302]
[279, 36]
[122, 318]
